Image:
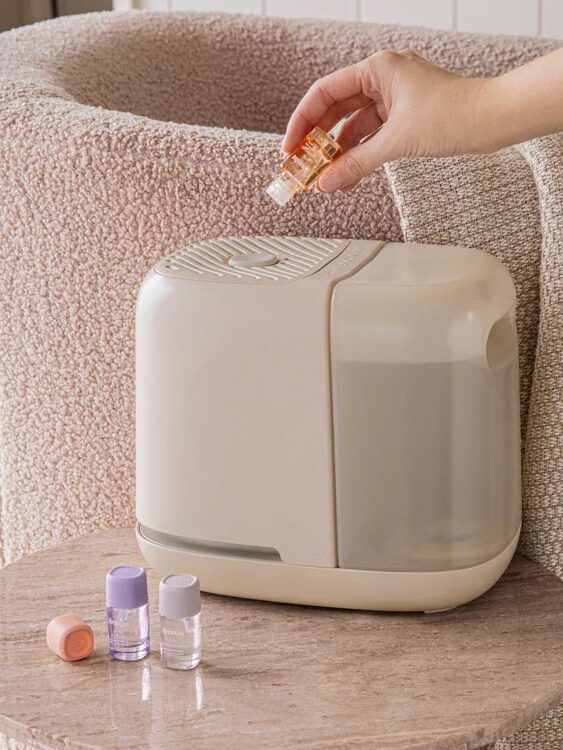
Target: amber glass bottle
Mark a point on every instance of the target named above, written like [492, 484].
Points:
[302, 167]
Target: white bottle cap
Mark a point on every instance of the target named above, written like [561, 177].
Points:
[179, 596]
[280, 191]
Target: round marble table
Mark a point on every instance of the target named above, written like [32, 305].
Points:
[277, 676]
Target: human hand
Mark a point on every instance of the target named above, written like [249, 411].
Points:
[398, 105]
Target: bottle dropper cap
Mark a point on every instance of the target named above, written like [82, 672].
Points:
[281, 190]
[126, 587]
[179, 596]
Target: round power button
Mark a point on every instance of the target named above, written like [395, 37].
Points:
[253, 260]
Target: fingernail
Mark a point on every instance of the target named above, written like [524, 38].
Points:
[329, 181]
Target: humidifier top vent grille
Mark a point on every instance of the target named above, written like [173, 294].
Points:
[251, 259]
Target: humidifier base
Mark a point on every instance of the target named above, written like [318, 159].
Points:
[275, 581]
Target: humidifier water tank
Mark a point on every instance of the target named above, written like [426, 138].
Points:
[329, 422]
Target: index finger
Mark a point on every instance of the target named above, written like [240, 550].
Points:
[326, 93]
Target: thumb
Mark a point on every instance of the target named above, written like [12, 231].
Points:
[356, 163]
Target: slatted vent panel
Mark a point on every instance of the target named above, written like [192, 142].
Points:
[297, 257]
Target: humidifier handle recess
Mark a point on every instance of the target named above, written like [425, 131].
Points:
[501, 347]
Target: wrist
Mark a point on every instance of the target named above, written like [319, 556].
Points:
[494, 118]
[513, 108]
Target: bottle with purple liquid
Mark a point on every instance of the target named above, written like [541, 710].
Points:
[127, 612]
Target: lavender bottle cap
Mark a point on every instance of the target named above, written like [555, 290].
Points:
[179, 596]
[126, 587]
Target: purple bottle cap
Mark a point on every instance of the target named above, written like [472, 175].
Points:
[126, 587]
[179, 596]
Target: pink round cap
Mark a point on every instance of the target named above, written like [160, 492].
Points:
[126, 587]
[179, 596]
[70, 638]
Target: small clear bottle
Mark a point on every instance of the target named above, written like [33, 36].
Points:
[127, 612]
[302, 167]
[180, 621]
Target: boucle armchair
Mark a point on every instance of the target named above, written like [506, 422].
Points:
[124, 136]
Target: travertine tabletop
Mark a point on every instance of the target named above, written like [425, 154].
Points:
[277, 676]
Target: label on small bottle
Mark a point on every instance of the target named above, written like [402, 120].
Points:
[170, 631]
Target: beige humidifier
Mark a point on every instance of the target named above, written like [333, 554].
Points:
[329, 422]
